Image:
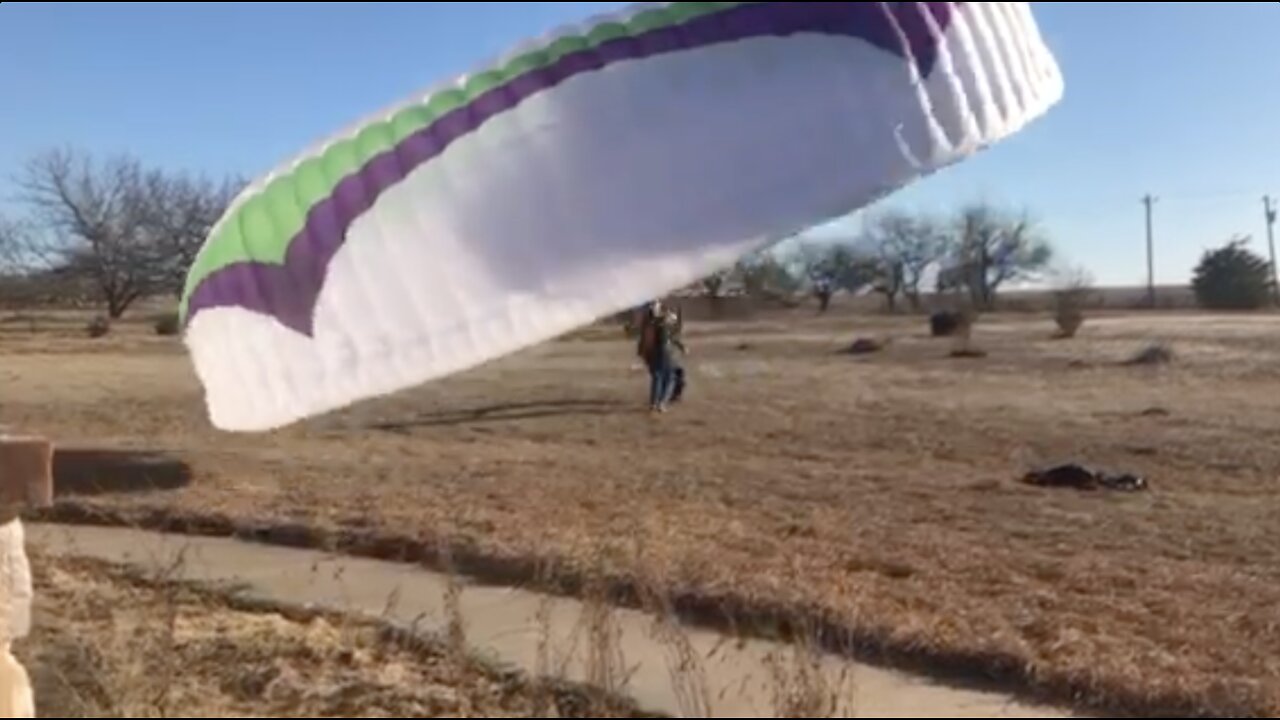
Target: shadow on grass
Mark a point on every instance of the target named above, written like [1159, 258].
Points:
[87, 472]
[502, 412]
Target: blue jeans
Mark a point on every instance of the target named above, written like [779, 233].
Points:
[661, 382]
[677, 383]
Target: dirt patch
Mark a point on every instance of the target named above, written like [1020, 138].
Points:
[108, 644]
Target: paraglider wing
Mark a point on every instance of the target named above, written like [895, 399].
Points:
[583, 174]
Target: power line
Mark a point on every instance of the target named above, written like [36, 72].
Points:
[1209, 195]
[1094, 200]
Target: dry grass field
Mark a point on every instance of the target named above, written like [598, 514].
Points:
[876, 494]
[110, 644]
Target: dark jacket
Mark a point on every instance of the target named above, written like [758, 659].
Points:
[658, 340]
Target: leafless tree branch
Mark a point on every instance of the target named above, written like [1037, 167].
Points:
[130, 230]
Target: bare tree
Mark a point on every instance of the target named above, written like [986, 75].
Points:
[15, 242]
[713, 285]
[824, 267]
[16, 285]
[763, 275]
[833, 267]
[905, 247]
[992, 248]
[909, 247]
[95, 220]
[130, 230]
[821, 265]
[889, 281]
[181, 212]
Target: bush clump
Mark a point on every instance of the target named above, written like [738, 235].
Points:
[98, 327]
[1073, 294]
[1233, 278]
[168, 325]
[945, 323]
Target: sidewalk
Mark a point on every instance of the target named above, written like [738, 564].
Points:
[503, 623]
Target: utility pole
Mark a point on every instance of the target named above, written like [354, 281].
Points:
[1267, 203]
[1150, 202]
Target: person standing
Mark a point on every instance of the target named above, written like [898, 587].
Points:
[656, 349]
[678, 375]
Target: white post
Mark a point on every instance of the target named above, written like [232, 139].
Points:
[26, 481]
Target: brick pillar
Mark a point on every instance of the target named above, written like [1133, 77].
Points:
[26, 481]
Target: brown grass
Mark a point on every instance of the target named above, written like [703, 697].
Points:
[124, 641]
[111, 644]
[878, 497]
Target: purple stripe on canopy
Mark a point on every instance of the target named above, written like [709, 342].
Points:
[289, 291]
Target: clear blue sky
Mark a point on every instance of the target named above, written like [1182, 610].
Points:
[1181, 100]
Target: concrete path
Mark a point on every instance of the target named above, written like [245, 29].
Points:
[509, 625]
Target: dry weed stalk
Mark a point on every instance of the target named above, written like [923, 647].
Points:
[802, 687]
[684, 667]
[606, 669]
[684, 663]
[456, 631]
[544, 697]
[132, 674]
[137, 673]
